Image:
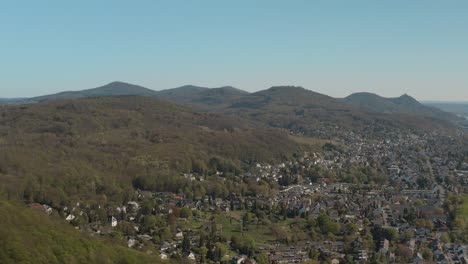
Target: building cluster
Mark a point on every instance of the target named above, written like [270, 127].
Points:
[418, 171]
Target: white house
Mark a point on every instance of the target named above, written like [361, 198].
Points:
[179, 236]
[70, 217]
[113, 221]
[131, 242]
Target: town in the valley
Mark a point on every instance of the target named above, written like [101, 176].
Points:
[398, 198]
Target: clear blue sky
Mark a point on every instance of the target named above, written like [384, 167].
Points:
[333, 47]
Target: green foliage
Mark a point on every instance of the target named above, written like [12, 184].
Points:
[186, 245]
[445, 238]
[262, 258]
[185, 212]
[457, 209]
[244, 244]
[327, 225]
[279, 233]
[220, 250]
[203, 253]
[389, 233]
[426, 254]
[30, 236]
[365, 175]
[407, 235]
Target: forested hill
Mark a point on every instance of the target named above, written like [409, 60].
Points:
[98, 146]
[293, 108]
[305, 111]
[202, 97]
[404, 104]
[110, 89]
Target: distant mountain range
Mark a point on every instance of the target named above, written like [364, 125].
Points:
[187, 94]
[111, 89]
[201, 97]
[404, 104]
[290, 107]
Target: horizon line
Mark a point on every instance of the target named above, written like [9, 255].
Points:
[202, 86]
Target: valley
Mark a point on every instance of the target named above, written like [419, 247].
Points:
[283, 175]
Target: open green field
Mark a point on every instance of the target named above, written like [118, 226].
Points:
[311, 141]
[263, 231]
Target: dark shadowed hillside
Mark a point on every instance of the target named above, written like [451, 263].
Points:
[201, 97]
[182, 94]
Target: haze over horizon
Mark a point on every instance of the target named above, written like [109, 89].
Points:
[417, 48]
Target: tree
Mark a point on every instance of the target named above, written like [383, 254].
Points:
[219, 252]
[214, 229]
[262, 258]
[351, 228]
[203, 237]
[391, 234]
[279, 233]
[127, 228]
[185, 212]
[165, 234]
[186, 245]
[327, 225]
[236, 242]
[349, 258]
[249, 246]
[404, 253]
[427, 254]
[149, 222]
[445, 238]
[147, 207]
[407, 235]
[423, 223]
[203, 252]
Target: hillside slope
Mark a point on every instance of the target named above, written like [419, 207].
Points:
[113, 140]
[30, 236]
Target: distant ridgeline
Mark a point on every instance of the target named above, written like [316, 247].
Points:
[294, 108]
